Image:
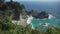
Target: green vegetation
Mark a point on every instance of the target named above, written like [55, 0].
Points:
[7, 10]
[28, 30]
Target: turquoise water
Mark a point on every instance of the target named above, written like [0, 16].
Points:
[53, 22]
[50, 7]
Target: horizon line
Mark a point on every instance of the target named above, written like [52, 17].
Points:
[37, 0]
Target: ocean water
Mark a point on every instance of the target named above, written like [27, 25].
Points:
[52, 8]
[51, 21]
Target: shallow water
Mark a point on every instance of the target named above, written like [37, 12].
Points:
[51, 21]
[51, 7]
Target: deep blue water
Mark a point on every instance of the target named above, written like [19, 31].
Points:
[51, 7]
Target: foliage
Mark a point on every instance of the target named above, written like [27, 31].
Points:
[7, 27]
[28, 30]
[52, 30]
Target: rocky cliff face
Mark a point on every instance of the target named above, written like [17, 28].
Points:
[13, 10]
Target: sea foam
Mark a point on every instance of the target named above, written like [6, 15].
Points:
[44, 24]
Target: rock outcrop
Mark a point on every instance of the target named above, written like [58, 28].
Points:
[41, 15]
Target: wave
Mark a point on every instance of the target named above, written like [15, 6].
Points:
[51, 16]
[43, 24]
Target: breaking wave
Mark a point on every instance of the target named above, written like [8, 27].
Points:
[51, 18]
